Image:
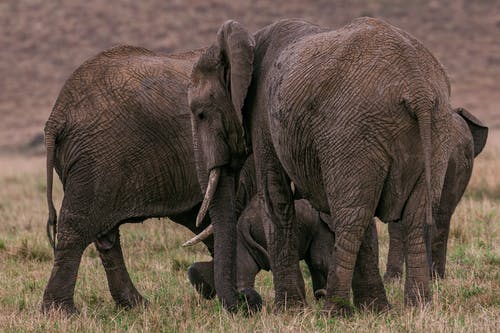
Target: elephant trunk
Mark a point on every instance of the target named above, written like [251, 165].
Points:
[222, 214]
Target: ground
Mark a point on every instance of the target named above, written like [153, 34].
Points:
[44, 41]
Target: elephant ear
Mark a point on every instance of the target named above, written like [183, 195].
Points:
[237, 47]
[477, 128]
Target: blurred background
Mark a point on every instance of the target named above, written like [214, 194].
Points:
[42, 42]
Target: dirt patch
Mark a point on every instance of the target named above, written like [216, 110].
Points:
[44, 41]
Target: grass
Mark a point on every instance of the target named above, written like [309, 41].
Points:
[468, 300]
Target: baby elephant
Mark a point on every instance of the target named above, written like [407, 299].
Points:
[316, 243]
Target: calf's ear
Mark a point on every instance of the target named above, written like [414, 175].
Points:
[478, 129]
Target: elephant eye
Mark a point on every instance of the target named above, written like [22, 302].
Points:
[200, 115]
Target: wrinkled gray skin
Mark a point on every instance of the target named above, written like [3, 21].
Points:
[470, 132]
[316, 243]
[120, 139]
[358, 118]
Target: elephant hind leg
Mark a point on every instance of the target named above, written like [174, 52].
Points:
[120, 285]
[59, 292]
[367, 286]
[395, 258]
[417, 288]
[343, 260]
[353, 213]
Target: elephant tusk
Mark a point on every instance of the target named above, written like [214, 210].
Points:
[213, 179]
[200, 237]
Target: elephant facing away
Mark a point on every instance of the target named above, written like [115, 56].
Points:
[358, 118]
[468, 138]
[119, 137]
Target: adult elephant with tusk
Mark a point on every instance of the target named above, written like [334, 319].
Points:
[120, 139]
[358, 118]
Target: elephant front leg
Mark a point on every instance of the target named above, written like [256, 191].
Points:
[395, 258]
[120, 285]
[367, 286]
[282, 238]
[59, 292]
[201, 276]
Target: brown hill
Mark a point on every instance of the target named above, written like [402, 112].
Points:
[42, 42]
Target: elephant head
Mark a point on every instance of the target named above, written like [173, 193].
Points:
[219, 82]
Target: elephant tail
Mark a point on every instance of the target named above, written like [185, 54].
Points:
[257, 251]
[50, 144]
[424, 119]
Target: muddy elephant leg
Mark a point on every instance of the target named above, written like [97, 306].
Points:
[367, 286]
[282, 237]
[280, 227]
[395, 257]
[201, 276]
[246, 270]
[341, 269]
[120, 285]
[417, 289]
[59, 292]
[318, 278]
[353, 211]
[439, 244]
[246, 267]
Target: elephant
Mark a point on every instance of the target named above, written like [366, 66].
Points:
[119, 137]
[358, 118]
[315, 238]
[468, 132]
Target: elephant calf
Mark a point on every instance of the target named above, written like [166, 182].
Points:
[316, 243]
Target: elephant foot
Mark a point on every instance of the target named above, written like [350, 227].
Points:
[338, 307]
[415, 296]
[130, 300]
[392, 276]
[200, 275]
[320, 294]
[437, 274]
[375, 304]
[250, 301]
[290, 302]
[66, 309]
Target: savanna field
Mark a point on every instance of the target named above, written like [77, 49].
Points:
[467, 300]
[44, 41]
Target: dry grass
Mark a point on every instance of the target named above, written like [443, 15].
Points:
[467, 301]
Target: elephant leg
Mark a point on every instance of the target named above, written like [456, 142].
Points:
[395, 258]
[59, 292]
[246, 267]
[281, 231]
[347, 243]
[120, 285]
[439, 244]
[201, 276]
[318, 279]
[352, 201]
[417, 289]
[368, 289]
[246, 270]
